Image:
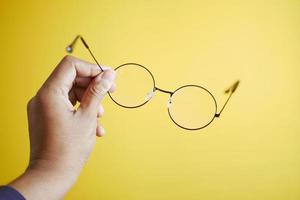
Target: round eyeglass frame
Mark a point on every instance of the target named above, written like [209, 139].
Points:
[153, 90]
[171, 94]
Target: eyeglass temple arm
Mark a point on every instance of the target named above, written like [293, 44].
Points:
[230, 90]
[71, 46]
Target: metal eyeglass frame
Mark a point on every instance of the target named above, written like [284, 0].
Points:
[217, 114]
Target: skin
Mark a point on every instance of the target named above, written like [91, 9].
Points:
[62, 137]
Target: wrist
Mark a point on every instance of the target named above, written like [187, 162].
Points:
[34, 183]
[54, 168]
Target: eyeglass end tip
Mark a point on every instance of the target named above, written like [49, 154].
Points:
[69, 49]
[233, 87]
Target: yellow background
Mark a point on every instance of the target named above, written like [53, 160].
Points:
[251, 152]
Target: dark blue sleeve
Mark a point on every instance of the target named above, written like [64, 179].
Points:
[9, 193]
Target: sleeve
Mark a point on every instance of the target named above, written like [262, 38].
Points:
[9, 193]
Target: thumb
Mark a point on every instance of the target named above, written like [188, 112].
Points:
[96, 91]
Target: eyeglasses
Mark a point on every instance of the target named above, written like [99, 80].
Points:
[191, 107]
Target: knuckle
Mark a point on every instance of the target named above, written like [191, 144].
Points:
[69, 61]
[68, 58]
[30, 104]
[42, 97]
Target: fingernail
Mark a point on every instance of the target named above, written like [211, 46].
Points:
[109, 75]
[102, 131]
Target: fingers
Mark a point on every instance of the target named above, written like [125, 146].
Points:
[81, 86]
[69, 68]
[77, 93]
[83, 82]
[100, 111]
[113, 88]
[100, 131]
[95, 92]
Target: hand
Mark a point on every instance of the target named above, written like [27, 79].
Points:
[61, 137]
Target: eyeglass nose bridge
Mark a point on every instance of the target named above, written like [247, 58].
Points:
[150, 95]
[163, 91]
[167, 92]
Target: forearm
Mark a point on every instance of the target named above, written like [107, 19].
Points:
[45, 180]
